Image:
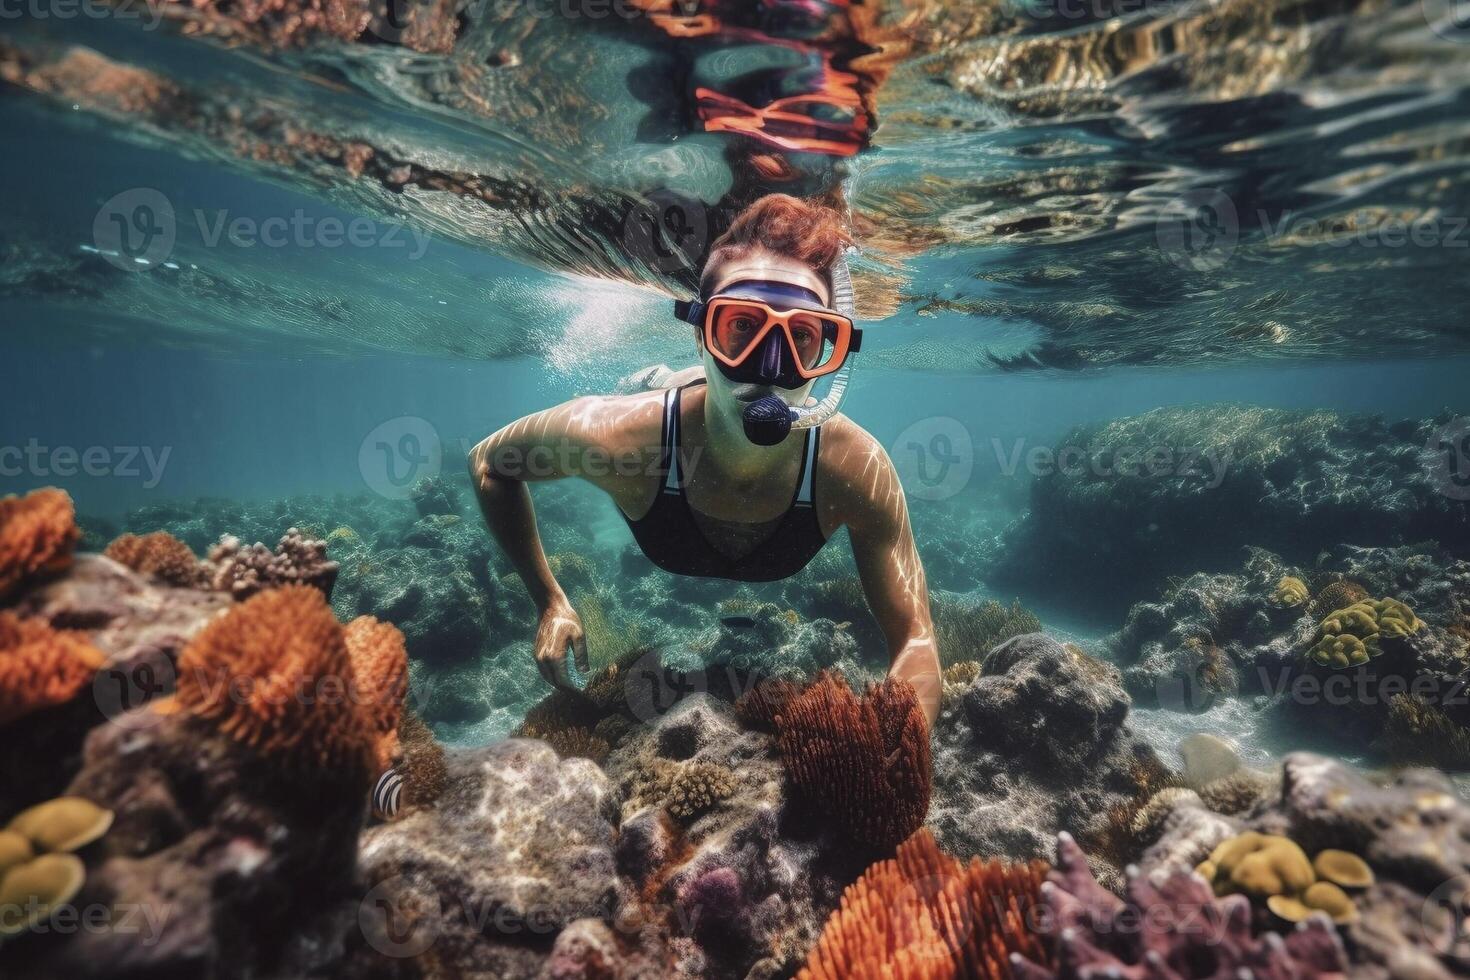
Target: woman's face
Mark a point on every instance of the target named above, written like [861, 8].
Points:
[732, 397]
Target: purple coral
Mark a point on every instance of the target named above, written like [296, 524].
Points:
[1169, 927]
[716, 897]
[244, 570]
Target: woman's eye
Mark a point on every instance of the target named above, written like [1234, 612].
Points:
[744, 324]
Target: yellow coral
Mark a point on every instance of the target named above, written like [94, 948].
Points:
[30, 893]
[1259, 864]
[63, 824]
[1350, 636]
[1290, 591]
[1343, 868]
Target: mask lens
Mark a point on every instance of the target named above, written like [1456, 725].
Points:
[808, 334]
[736, 328]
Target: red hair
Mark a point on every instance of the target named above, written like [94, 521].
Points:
[812, 234]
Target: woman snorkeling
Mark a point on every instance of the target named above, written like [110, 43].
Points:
[733, 471]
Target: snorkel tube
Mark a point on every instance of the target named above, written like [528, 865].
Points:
[768, 421]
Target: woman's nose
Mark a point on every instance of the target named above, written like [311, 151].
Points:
[772, 357]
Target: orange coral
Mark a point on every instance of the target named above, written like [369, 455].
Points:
[380, 670]
[865, 762]
[159, 554]
[37, 534]
[758, 707]
[926, 916]
[41, 667]
[275, 673]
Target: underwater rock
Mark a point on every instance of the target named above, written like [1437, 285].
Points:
[518, 846]
[435, 495]
[1168, 924]
[1040, 742]
[213, 859]
[751, 877]
[1179, 489]
[1400, 848]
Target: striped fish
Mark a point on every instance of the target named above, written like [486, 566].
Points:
[386, 795]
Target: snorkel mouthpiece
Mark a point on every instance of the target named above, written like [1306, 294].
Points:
[767, 421]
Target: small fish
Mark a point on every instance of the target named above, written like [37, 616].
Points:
[386, 794]
[738, 622]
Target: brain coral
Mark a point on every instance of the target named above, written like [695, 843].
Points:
[864, 763]
[160, 555]
[1337, 595]
[925, 916]
[41, 667]
[37, 534]
[275, 673]
[380, 671]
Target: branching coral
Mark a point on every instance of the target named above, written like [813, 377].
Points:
[37, 535]
[697, 786]
[1352, 636]
[1290, 591]
[160, 555]
[243, 570]
[864, 763]
[923, 915]
[275, 673]
[380, 678]
[41, 667]
[684, 789]
[1170, 925]
[957, 677]
[968, 631]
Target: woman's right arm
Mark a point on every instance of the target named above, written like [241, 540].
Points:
[543, 446]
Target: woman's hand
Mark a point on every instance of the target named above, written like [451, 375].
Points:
[560, 627]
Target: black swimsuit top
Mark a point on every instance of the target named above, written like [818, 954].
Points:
[672, 540]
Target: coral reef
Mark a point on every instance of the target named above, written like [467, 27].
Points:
[863, 762]
[423, 765]
[41, 667]
[275, 674]
[160, 555]
[1308, 480]
[1352, 636]
[924, 914]
[37, 535]
[1338, 594]
[1168, 924]
[244, 570]
[380, 681]
[1419, 734]
[1290, 591]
